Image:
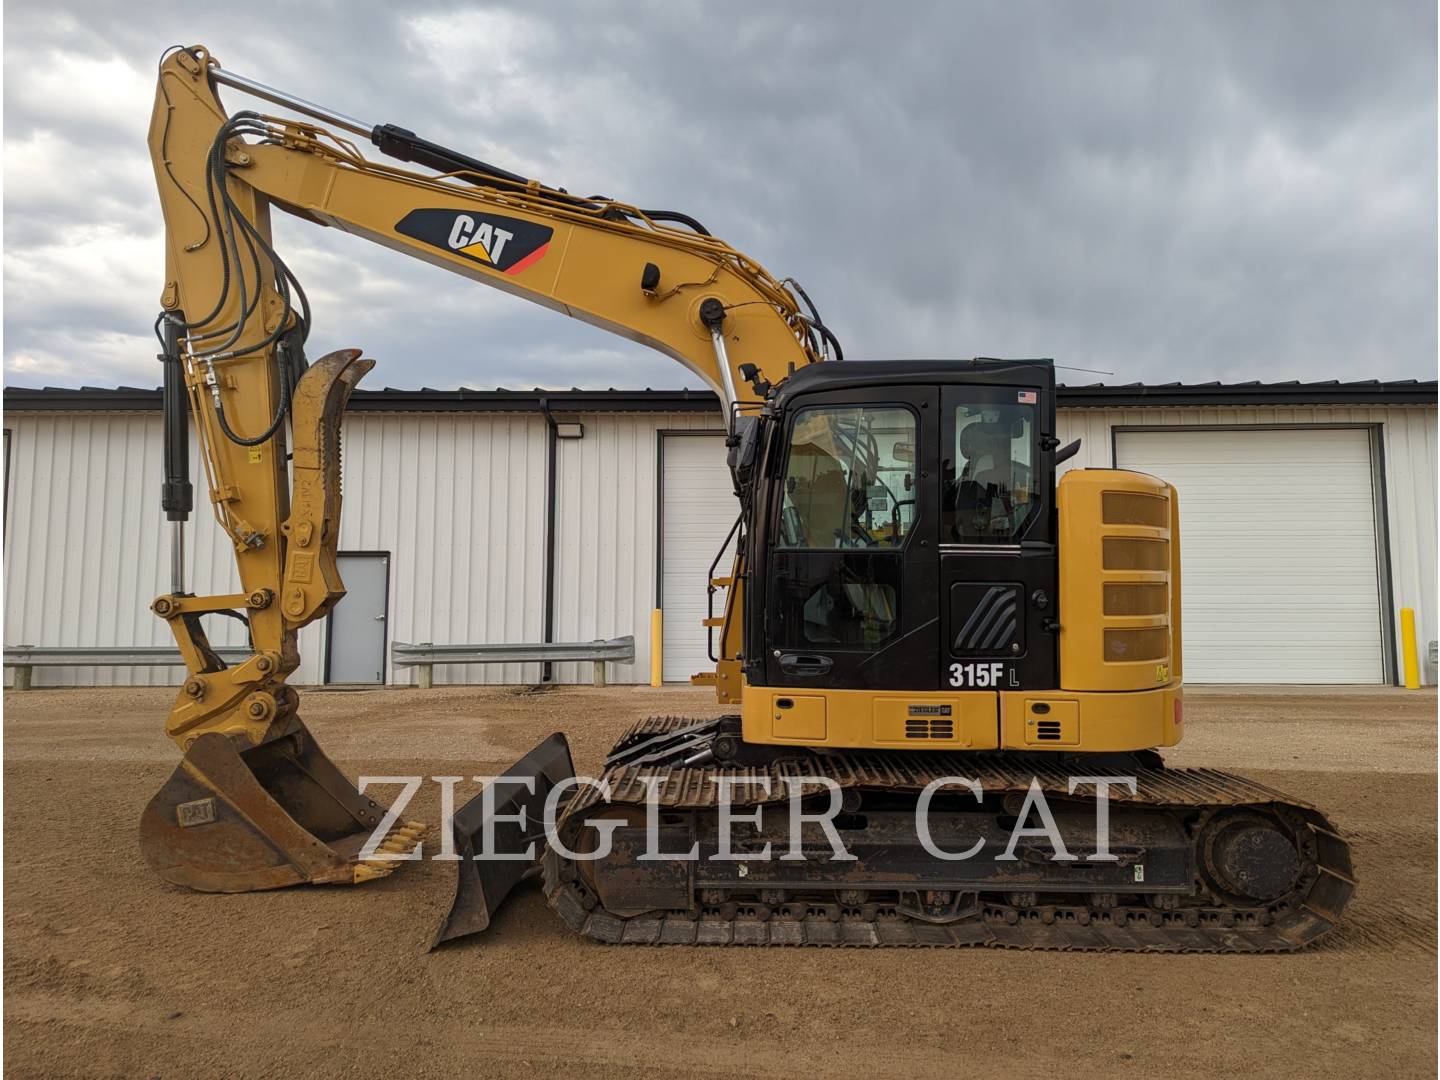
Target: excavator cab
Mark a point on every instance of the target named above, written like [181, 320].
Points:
[892, 499]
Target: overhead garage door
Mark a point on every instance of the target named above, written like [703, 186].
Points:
[698, 506]
[1277, 545]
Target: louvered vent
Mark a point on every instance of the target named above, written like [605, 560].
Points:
[1047, 730]
[921, 728]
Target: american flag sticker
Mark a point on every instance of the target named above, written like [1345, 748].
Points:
[1027, 397]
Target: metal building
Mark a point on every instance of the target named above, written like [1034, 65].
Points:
[1308, 519]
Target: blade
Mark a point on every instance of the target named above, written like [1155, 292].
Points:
[482, 883]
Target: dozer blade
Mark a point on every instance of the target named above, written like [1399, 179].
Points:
[236, 820]
[483, 883]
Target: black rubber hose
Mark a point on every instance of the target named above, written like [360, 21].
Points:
[828, 336]
[275, 423]
[675, 216]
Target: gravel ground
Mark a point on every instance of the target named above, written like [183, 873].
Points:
[111, 972]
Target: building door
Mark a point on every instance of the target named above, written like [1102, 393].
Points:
[1279, 574]
[698, 506]
[356, 642]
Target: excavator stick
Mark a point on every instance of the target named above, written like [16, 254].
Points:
[255, 803]
[498, 847]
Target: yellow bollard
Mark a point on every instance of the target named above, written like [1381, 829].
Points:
[1409, 652]
[656, 625]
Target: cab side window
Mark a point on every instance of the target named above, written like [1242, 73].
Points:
[990, 495]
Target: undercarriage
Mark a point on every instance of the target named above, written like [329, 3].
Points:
[1196, 860]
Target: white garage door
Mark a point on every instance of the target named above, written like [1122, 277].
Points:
[698, 506]
[1277, 546]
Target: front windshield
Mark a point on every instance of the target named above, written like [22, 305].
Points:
[849, 480]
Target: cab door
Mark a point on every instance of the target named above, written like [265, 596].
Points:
[997, 544]
[853, 571]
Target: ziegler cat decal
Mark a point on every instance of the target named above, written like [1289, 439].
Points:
[509, 245]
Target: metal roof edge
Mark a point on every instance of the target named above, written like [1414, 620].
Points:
[135, 399]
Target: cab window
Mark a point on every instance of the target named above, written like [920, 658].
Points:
[849, 478]
[990, 494]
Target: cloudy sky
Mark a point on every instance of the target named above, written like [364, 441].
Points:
[1159, 191]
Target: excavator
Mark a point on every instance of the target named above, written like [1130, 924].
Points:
[918, 616]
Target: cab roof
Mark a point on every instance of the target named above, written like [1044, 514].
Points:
[980, 371]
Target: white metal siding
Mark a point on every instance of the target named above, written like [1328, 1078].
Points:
[698, 507]
[1278, 551]
[605, 577]
[1409, 438]
[87, 547]
[457, 499]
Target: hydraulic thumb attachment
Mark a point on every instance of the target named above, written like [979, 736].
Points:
[500, 834]
[255, 803]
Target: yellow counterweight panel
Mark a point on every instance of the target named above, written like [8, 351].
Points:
[1090, 722]
[977, 720]
[869, 718]
[1119, 581]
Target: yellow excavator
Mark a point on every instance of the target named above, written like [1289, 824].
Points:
[918, 616]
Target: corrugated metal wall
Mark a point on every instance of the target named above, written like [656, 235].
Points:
[1409, 441]
[457, 501]
[87, 547]
[605, 572]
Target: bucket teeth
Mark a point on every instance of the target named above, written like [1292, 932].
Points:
[400, 841]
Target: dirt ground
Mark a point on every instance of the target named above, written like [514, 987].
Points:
[110, 972]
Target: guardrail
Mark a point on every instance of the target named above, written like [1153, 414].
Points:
[426, 656]
[25, 658]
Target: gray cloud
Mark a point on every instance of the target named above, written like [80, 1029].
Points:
[1163, 191]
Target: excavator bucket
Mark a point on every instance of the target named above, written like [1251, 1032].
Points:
[236, 820]
[493, 846]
